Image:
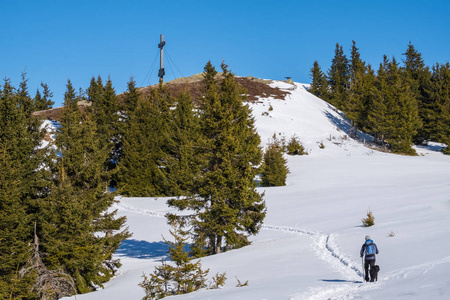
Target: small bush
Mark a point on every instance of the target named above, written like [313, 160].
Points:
[274, 167]
[240, 284]
[369, 220]
[294, 147]
[321, 145]
[218, 280]
[391, 234]
[181, 275]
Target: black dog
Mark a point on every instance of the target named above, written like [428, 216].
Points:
[374, 273]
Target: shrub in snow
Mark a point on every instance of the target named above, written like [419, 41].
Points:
[274, 168]
[181, 276]
[369, 220]
[240, 284]
[294, 147]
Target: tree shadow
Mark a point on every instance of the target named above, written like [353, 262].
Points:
[431, 147]
[342, 124]
[341, 280]
[142, 249]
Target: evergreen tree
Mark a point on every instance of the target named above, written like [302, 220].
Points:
[127, 104]
[23, 97]
[145, 144]
[369, 95]
[105, 113]
[418, 76]
[184, 165]
[227, 203]
[131, 97]
[355, 106]
[43, 101]
[180, 277]
[338, 78]
[274, 168]
[319, 85]
[16, 148]
[394, 112]
[440, 96]
[76, 226]
[378, 108]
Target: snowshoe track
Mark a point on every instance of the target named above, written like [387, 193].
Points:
[326, 249]
[142, 211]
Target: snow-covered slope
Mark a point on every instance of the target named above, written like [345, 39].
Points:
[309, 245]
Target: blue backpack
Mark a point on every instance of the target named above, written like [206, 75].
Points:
[370, 248]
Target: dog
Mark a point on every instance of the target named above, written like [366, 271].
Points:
[374, 273]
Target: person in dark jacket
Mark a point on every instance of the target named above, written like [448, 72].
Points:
[369, 249]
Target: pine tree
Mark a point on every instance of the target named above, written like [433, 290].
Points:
[395, 113]
[338, 78]
[76, 227]
[131, 97]
[355, 106]
[43, 101]
[227, 203]
[274, 168]
[179, 277]
[105, 112]
[184, 165]
[440, 96]
[145, 147]
[23, 97]
[319, 85]
[418, 76]
[16, 159]
[378, 108]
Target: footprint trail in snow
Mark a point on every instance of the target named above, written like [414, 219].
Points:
[326, 249]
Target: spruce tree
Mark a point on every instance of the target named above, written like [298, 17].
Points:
[25, 102]
[43, 101]
[418, 77]
[105, 113]
[338, 78]
[440, 96]
[180, 276]
[378, 106]
[143, 169]
[274, 168]
[227, 204]
[16, 159]
[368, 97]
[319, 85]
[78, 232]
[183, 166]
[394, 114]
[131, 97]
[355, 106]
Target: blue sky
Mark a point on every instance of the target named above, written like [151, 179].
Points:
[56, 40]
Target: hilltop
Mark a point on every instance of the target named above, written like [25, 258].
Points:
[255, 88]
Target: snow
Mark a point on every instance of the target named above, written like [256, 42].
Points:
[308, 247]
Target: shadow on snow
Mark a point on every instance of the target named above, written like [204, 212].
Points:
[142, 249]
[340, 280]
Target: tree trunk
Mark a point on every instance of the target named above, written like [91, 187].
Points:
[218, 244]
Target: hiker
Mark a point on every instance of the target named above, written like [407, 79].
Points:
[369, 248]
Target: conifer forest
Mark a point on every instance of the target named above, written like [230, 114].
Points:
[398, 103]
[58, 232]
